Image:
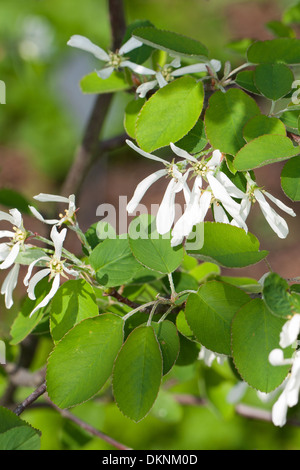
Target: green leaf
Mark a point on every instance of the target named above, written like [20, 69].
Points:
[195, 140]
[167, 337]
[286, 50]
[290, 179]
[171, 42]
[74, 301]
[23, 324]
[16, 434]
[280, 29]
[113, 262]
[245, 79]
[131, 113]
[226, 117]
[264, 150]
[137, 373]
[229, 246]
[278, 297]
[260, 125]
[92, 83]
[209, 314]
[83, 359]
[292, 14]
[151, 249]
[273, 80]
[255, 333]
[291, 120]
[169, 114]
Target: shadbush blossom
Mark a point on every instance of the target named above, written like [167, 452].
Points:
[67, 217]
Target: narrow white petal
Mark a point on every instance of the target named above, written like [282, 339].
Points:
[143, 89]
[42, 197]
[276, 222]
[6, 217]
[182, 153]
[245, 207]
[6, 234]
[176, 62]
[4, 251]
[9, 285]
[35, 280]
[146, 154]
[195, 68]
[41, 218]
[290, 331]
[139, 69]
[11, 257]
[31, 266]
[161, 81]
[215, 159]
[279, 411]
[276, 358]
[215, 65]
[220, 214]
[128, 46]
[105, 72]
[166, 212]
[230, 187]
[58, 238]
[46, 300]
[280, 204]
[17, 217]
[141, 189]
[81, 42]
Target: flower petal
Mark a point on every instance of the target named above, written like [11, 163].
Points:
[41, 218]
[139, 69]
[105, 72]
[230, 187]
[141, 189]
[290, 331]
[34, 281]
[143, 89]
[280, 204]
[31, 266]
[81, 42]
[182, 153]
[9, 285]
[276, 222]
[161, 80]
[58, 239]
[11, 257]
[146, 154]
[46, 300]
[42, 197]
[166, 212]
[128, 46]
[17, 217]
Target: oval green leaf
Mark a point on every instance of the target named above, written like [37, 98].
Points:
[262, 124]
[229, 246]
[167, 337]
[209, 314]
[255, 333]
[273, 80]
[137, 373]
[93, 84]
[290, 179]
[169, 114]
[264, 150]
[151, 249]
[286, 50]
[226, 117]
[82, 361]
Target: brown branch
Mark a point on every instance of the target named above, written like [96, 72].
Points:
[87, 427]
[31, 399]
[89, 146]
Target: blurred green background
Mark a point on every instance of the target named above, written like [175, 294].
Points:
[40, 127]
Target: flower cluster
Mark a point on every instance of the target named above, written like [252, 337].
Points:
[212, 188]
[53, 265]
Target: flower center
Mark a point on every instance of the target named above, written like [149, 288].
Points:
[166, 73]
[200, 168]
[115, 60]
[56, 266]
[20, 235]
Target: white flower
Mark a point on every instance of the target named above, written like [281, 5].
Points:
[209, 356]
[290, 331]
[276, 222]
[289, 396]
[170, 71]
[220, 190]
[113, 60]
[10, 250]
[166, 213]
[55, 268]
[69, 213]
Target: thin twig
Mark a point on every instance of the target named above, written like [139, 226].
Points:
[87, 427]
[31, 399]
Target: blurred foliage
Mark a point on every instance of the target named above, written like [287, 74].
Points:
[44, 119]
